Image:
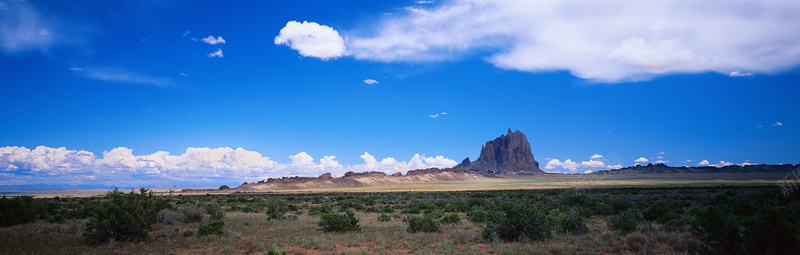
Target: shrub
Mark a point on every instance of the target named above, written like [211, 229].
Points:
[168, 216]
[212, 227]
[573, 223]
[215, 212]
[384, 218]
[625, 221]
[421, 224]
[517, 221]
[450, 219]
[435, 214]
[687, 242]
[334, 222]
[636, 240]
[656, 212]
[17, 210]
[320, 210]
[192, 214]
[477, 214]
[124, 217]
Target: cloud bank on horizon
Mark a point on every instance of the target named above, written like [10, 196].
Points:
[604, 41]
[119, 166]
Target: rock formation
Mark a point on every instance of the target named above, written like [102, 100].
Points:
[508, 154]
[664, 169]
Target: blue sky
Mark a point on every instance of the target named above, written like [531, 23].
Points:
[211, 93]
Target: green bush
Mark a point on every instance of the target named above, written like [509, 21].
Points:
[192, 214]
[656, 212]
[384, 218]
[168, 216]
[17, 210]
[477, 214]
[320, 210]
[421, 224]
[212, 227]
[435, 214]
[518, 221]
[215, 212]
[276, 208]
[625, 221]
[729, 227]
[573, 223]
[124, 217]
[334, 222]
[451, 218]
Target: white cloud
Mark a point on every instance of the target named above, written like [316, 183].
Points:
[661, 161]
[370, 81]
[704, 163]
[425, 2]
[777, 124]
[596, 156]
[120, 164]
[662, 153]
[739, 74]
[23, 28]
[723, 163]
[217, 53]
[617, 166]
[437, 115]
[567, 164]
[77, 69]
[588, 172]
[214, 41]
[183, 74]
[184, 34]
[122, 75]
[312, 40]
[641, 160]
[603, 41]
[592, 163]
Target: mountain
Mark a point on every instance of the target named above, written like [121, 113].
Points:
[507, 154]
[664, 169]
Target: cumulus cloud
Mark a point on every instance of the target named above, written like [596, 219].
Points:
[641, 160]
[601, 41]
[596, 156]
[217, 53]
[370, 81]
[739, 74]
[703, 163]
[662, 153]
[661, 161]
[213, 41]
[45, 164]
[312, 40]
[617, 166]
[567, 164]
[437, 115]
[592, 163]
[777, 124]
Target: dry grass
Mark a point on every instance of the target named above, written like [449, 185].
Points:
[252, 233]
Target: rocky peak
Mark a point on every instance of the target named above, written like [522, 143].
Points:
[510, 153]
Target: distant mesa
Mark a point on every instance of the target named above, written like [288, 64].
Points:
[665, 169]
[508, 154]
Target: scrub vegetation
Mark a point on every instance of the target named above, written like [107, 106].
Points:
[652, 220]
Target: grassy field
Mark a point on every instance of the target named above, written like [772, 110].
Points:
[661, 219]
